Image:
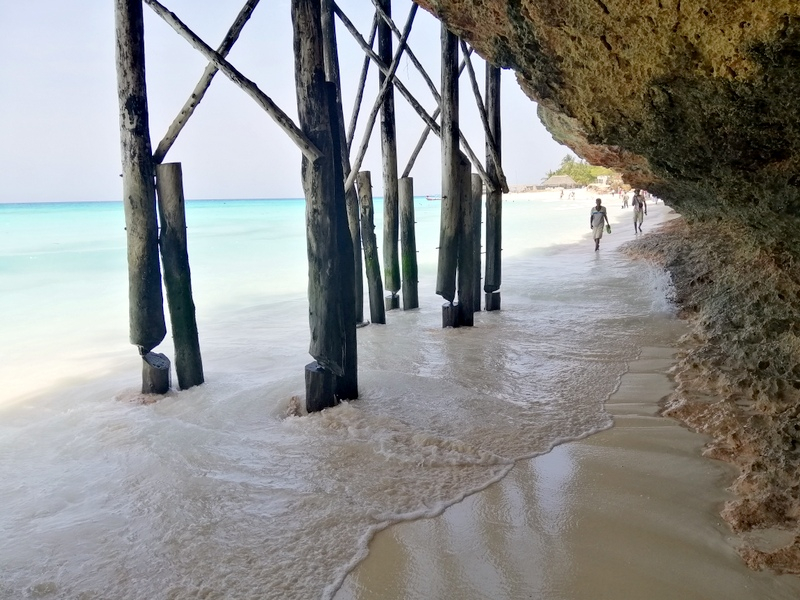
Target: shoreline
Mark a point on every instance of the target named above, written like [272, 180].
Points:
[630, 512]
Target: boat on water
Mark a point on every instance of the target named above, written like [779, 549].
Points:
[433, 197]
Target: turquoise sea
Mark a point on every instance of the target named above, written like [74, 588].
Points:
[218, 491]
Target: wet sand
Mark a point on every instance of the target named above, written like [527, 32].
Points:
[629, 513]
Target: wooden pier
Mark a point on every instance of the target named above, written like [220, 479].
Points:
[339, 216]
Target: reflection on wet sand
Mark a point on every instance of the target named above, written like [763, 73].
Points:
[631, 512]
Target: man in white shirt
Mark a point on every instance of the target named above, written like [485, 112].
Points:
[639, 207]
[597, 220]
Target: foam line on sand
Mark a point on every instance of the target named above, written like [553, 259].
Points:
[629, 513]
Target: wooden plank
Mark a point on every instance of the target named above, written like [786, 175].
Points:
[494, 198]
[146, 304]
[305, 145]
[205, 81]
[391, 232]
[408, 244]
[450, 206]
[177, 275]
[331, 54]
[326, 321]
[377, 311]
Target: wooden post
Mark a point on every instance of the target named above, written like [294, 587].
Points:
[391, 261]
[346, 384]
[155, 373]
[377, 313]
[177, 275]
[351, 197]
[146, 304]
[494, 198]
[476, 196]
[448, 242]
[466, 246]
[408, 243]
[327, 293]
[450, 318]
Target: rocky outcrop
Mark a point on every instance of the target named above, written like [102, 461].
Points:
[739, 375]
[697, 101]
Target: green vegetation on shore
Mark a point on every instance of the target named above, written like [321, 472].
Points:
[581, 172]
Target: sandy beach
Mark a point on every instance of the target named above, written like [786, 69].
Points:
[631, 512]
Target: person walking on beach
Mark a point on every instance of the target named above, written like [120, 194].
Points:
[597, 220]
[625, 200]
[639, 210]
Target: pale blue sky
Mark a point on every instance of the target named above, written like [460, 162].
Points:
[59, 115]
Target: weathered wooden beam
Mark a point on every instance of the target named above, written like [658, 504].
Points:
[177, 275]
[426, 118]
[388, 81]
[351, 130]
[476, 197]
[377, 312]
[408, 244]
[494, 198]
[391, 227]
[386, 17]
[347, 383]
[324, 220]
[424, 135]
[146, 303]
[202, 86]
[450, 206]
[492, 155]
[331, 53]
[305, 145]
[466, 246]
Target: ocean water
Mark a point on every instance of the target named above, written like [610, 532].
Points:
[221, 491]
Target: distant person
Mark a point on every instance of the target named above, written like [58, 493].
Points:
[597, 220]
[625, 200]
[639, 210]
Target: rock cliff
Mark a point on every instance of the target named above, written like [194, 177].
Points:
[694, 100]
[697, 101]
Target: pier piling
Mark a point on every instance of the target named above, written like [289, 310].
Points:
[449, 224]
[146, 304]
[408, 244]
[494, 198]
[466, 246]
[391, 262]
[377, 310]
[330, 289]
[177, 275]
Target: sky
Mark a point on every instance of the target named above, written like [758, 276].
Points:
[59, 116]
